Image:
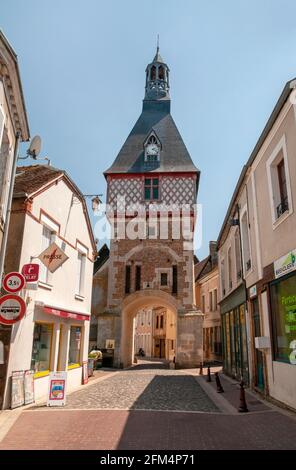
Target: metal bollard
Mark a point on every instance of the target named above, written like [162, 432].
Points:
[200, 369]
[242, 399]
[220, 389]
[209, 375]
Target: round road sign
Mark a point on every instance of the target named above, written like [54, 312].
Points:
[12, 309]
[13, 282]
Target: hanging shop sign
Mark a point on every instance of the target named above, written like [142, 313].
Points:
[12, 309]
[57, 389]
[285, 264]
[31, 272]
[13, 282]
[53, 257]
[17, 389]
[253, 292]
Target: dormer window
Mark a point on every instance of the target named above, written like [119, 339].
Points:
[152, 149]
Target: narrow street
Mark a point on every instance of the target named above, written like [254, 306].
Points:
[151, 407]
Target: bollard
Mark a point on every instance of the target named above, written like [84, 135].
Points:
[209, 375]
[242, 398]
[220, 389]
[200, 369]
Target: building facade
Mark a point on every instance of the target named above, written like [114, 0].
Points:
[144, 331]
[153, 176]
[263, 218]
[207, 300]
[53, 335]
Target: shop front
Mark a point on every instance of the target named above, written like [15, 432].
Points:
[234, 335]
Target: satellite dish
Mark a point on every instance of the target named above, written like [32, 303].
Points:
[35, 147]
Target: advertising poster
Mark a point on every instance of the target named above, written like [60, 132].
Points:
[57, 389]
[17, 389]
[29, 387]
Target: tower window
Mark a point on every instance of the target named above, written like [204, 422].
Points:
[127, 279]
[153, 73]
[138, 277]
[161, 73]
[151, 189]
[163, 279]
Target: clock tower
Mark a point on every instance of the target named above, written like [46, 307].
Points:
[151, 197]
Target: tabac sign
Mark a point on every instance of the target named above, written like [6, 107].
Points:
[285, 265]
[53, 257]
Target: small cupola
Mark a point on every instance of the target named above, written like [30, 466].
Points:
[157, 79]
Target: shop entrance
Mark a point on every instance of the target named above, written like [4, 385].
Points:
[5, 334]
[258, 356]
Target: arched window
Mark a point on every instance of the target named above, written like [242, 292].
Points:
[161, 72]
[153, 73]
[152, 140]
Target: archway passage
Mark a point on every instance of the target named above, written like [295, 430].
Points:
[152, 314]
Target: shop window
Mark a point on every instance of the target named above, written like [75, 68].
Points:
[75, 346]
[283, 307]
[41, 352]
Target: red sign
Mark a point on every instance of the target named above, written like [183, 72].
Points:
[12, 309]
[31, 272]
[13, 282]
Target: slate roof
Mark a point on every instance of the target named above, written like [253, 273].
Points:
[199, 267]
[103, 256]
[33, 177]
[174, 156]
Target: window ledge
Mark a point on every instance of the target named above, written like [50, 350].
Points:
[73, 366]
[44, 285]
[281, 219]
[39, 375]
[79, 297]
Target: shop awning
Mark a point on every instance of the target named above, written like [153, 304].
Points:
[65, 313]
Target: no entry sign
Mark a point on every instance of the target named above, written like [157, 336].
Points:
[13, 282]
[12, 309]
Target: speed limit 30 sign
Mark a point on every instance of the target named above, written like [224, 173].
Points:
[13, 282]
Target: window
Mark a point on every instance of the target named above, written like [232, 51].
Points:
[138, 278]
[161, 72]
[215, 300]
[47, 235]
[238, 256]
[279, 182]
[153, 73]
[151, 189]
[211, 301]
[283, 309]
[175, 279]
[164, 279]
[127, 279]
[246, 242]
[283, 205]
[41, 351]
[75, 345]
[161, 321]
[157, 322]
[203, 303]
[80, 273]
[222, 264]
[229, 269]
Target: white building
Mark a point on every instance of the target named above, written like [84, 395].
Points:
[53, 335]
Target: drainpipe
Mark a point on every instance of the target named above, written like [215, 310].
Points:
[9, 204]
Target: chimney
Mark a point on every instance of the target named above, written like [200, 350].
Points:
[213, 253]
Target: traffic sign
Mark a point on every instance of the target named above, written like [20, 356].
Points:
[13, 282]
[31, 272]
[12, 309]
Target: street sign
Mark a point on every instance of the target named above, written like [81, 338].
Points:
[53, 257]
[31, 272]
[13, 282]
[12, 309]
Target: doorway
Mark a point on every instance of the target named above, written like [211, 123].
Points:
[258, 355]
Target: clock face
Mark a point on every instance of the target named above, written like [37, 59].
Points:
[152, 149]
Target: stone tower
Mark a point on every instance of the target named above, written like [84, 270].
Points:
[152, 190]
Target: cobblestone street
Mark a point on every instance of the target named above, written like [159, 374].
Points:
[150, 407]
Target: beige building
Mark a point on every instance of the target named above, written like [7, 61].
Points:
[143, 331]
[164, 334]
[207, 300]
[53, 335]
[263, 222]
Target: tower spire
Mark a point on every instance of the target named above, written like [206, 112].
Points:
[157, 77]
[157, 49]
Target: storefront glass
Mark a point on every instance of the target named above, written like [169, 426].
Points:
[283, 308]
[41, 351]
[75, 345]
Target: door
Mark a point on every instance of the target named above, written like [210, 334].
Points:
[162, 349]
[5, 334]
[259, 364]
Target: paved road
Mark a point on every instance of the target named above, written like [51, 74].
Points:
[150, 409]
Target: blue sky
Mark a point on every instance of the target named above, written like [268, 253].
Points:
[83, 72]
